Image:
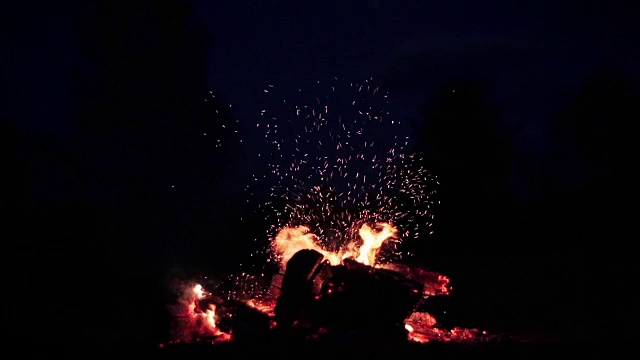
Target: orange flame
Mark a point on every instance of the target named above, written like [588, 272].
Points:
[290, 240]
[372, 241]
[199, 292]
[210, 315]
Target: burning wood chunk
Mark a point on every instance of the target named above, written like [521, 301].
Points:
[347, 297]
[193, 317]
[303, 280]
[243, 321]
[275, 286]
[433, 283]
[313, 297]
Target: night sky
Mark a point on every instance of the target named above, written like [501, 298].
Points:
[133, 147]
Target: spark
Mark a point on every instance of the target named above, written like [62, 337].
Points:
[383, 182]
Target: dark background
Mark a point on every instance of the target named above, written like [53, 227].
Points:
[111, 187]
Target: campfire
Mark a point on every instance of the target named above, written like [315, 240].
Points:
[319, 294]
[344, 199]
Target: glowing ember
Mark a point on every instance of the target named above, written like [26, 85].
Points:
[457, 334]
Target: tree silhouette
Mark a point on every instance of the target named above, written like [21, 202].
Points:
[150, 165]
[583, 195]
[594, 152]
[596, 130]
[464, 146]
[141, 101]
[149, 142]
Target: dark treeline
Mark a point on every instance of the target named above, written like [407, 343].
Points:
[142, 187]
[100, 217]
[536, 240]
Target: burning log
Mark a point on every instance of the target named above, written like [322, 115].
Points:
[433, 283]
[306, 273]
[350, 297]
[319, 294]
[193, 316]
[244, 322]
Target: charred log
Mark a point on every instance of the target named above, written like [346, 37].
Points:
[243, 321]
[347, 298]
[433, 283]
[306, 273]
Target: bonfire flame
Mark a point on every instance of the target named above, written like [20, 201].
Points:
[290, 240]
[195, 319]
[373, 238]
[200, 293]
[210, 315]
[206, 318]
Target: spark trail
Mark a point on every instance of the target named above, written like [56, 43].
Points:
[333, 159]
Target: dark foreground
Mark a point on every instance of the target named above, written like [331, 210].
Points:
[532, 346]
[381, 351]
